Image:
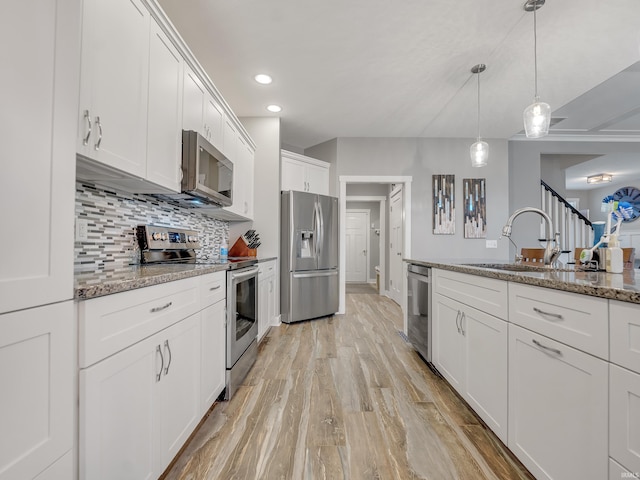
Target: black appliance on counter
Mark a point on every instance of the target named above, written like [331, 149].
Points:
[169, 245]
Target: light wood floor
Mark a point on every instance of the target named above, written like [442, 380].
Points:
[344, 398]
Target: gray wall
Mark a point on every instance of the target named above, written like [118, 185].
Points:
[368, 189]
[374, 240]
[421, 158]
[327, 151]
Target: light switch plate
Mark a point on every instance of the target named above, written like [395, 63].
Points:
[492, 243]
[82, 230]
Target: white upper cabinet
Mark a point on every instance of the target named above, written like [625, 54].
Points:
[193, 99]
[304, 174]
[164, 135]
[39, 98]
[112, 123]
[201, 112]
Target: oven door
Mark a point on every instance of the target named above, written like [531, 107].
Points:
[242, 312]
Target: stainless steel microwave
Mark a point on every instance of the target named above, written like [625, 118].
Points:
[207, 175]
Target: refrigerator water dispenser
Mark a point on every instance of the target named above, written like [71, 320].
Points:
[305, 244]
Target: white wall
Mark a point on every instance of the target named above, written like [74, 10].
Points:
[421, 158]
[265, 132]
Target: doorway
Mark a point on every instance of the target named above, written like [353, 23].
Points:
[357, 244]
[405, 252]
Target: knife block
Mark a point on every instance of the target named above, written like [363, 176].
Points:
[240, 249]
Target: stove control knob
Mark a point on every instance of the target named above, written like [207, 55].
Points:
[165, 237]
[156, 236]
[193, 238]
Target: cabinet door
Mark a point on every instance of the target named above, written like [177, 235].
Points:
[37, 365]
[317, 179]
[486, 368]
[113, 83]
[557, 396]
[293, 175]
[179, 411]
[448, 341]
[193, 100]
[245, 157]
[213, 367]
[118, 414]
[263, 305]
[624, 417]
[164, 125]
[213, 121]
[39, 98]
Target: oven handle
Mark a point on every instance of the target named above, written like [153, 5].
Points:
[243, 275]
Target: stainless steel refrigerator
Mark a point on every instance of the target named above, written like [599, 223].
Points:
[309, 256]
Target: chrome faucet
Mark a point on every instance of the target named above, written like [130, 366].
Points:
[551, 253]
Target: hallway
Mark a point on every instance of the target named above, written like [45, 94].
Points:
[344, 397]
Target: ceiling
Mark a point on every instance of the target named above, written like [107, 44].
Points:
[372, 68]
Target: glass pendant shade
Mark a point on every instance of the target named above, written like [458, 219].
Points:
[537, 117]
[479, 153]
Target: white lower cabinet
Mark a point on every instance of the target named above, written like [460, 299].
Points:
[624, 417]
[470, 350]
[213, 366]
[266, 296]
[138, 407]
[558, 414]
[37, 369]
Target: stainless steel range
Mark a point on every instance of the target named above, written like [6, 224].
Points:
[162, 245]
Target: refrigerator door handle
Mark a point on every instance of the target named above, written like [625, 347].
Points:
[320, 216]
[317, 227]
[329, 273]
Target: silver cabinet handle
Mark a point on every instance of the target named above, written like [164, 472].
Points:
[99, 125]
[554, 350]
[548, 314]
[462, 319]
[457, 318]
[159, 374]
[159, 309]
[214, 288]
[166, 345]
[87, 116]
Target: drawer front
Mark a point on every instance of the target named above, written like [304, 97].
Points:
[213, 288]
[624, 417]
[486, 294]
[267, 269]
[111, 323]
[624, 327]
[576, 320]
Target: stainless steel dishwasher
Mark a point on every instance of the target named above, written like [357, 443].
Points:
[419, 309]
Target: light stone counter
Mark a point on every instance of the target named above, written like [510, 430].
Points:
[622, 286]
[92, 284]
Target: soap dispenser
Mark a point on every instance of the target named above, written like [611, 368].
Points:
[614, 256]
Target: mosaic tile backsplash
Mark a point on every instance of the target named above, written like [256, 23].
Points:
[113, 217]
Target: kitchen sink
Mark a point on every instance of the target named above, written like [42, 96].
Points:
[518, 267]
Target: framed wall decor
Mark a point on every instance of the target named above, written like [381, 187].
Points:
[444, 211]
[475, 207]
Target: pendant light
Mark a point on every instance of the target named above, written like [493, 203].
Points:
[480, 150]
[537, 115]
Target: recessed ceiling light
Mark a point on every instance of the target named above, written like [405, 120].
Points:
[274, 108]
[263, 79]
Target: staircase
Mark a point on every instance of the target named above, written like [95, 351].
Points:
[574, 228]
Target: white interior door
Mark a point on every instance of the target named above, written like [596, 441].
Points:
[395, 246]
[357, 233]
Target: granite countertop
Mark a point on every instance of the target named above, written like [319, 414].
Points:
[621, 286]
[105, 281]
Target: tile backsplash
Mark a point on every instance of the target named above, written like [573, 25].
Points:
[112, 218]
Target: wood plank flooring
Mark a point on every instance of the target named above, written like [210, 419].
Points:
[344, 398]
